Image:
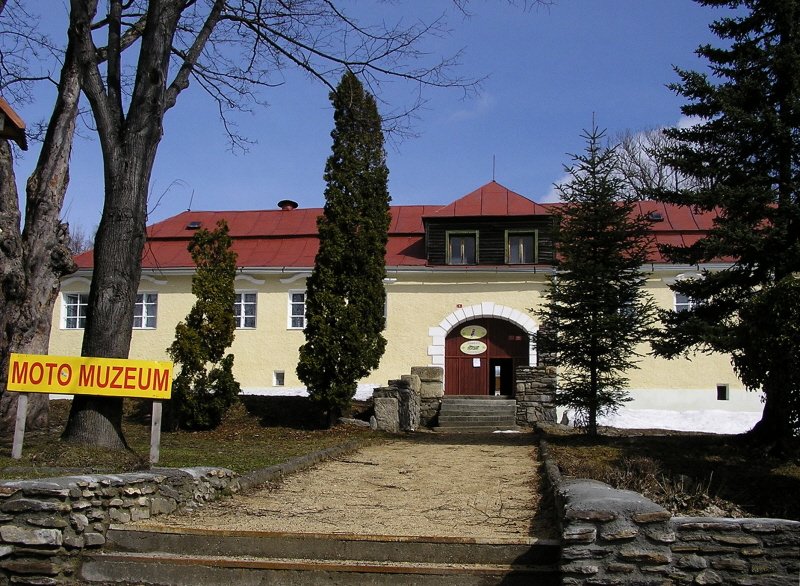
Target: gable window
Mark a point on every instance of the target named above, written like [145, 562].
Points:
[520, 248]
[144, 312]
[297, 310]
[74, 310]
[462, 248]
[684, 302]
[244, 310]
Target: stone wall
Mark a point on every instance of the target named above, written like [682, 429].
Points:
[45, 524]
[412, 400]
[618, 537]
[431, 391]
[536, 394]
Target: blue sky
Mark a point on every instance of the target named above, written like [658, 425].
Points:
[550, 69]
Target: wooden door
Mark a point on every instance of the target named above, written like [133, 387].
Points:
[470, 350]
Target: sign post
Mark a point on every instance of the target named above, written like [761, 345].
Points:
[71, 375]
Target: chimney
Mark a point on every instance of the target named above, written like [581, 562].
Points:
[287, 205]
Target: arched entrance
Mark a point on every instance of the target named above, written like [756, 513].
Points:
[482, 355]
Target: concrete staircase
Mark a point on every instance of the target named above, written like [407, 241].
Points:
[477, 414]
[167, 557]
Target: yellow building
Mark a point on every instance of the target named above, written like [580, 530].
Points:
[461, 280]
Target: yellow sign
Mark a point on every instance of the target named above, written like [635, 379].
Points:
[72, 375]
[473, 347]
[473, 332]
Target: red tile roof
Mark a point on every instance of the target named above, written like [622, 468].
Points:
[491, 200]
[288, 238]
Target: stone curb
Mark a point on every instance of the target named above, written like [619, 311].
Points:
[278, 471]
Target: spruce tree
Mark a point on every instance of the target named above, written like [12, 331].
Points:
[345, 296]
[205, 388]
[595, 311]
[745, 155]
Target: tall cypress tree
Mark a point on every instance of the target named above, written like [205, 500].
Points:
[745, 153]
[345, 296]
[595, 311]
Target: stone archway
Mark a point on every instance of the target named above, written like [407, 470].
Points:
[487, 309]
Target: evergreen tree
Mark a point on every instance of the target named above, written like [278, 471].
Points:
[345, 295]
[745, 153]
[204, 388]
[595, 311]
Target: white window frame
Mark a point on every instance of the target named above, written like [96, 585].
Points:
[241, 317]
[82, 302]
[290, 305]
[141, 313]
[685, 304]
[278, 378]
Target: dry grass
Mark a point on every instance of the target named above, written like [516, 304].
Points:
[688, 474]
[257, 432]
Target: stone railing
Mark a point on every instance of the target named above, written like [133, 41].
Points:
[46, 524]
[612, 536]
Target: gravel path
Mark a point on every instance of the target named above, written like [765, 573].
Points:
[484, 487]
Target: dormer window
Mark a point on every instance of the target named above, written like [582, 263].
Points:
[521, 247]
[462, 248]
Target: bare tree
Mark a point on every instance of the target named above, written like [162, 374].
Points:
[33, 258]
[641, 168]
[231, 49]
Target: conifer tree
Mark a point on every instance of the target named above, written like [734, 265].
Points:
[745, 154]
[345, 295]
[595, 311]
[205, 388]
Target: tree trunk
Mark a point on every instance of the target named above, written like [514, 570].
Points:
[117, 270]
[33, 262]
[774, 429]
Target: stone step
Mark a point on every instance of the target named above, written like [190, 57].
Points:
[327, 546]
[178, 570]
[479, 408]
[477, 428]
[477, 398]
[484, 419]
[197, 556]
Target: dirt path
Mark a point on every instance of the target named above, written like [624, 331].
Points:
[452, 486]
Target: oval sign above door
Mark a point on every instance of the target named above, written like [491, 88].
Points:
[473, 347]
[473, 332]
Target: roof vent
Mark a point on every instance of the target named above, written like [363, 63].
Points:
[193, 225]
[655, 216]
[287, 205]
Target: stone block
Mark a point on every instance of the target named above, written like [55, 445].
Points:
[429, 390]
[428, 373]
[412, 381]
[387, 414]
[23, 536]
[408, 409]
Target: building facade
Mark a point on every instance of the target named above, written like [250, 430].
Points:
[461, 281]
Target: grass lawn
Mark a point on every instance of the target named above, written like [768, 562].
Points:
[257, 432]
[688, 474]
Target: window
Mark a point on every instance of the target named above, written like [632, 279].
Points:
[75, 305]
[520, 248]
[244, 310]
[144, 312]
[278, 378]
[722, 393]
[462, 248]
[684, 302]
[297, 310]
